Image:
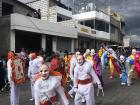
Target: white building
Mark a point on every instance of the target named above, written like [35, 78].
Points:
[94, 26]
[18, 30]
[132, 40]
[60, 28]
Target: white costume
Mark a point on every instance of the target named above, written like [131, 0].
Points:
[34, 66]
[85, 72]
[73, 62]
[23, 55]
[14, 97]
[45, 89]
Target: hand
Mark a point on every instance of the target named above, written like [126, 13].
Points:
[72, 78]
[75, 89]
[43, 101]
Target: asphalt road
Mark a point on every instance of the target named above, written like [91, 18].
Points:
[115, 94]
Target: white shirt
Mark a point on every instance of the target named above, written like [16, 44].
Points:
[9, 68]
[34, 66]
[85, 71]
[73, 62]
[45, 89]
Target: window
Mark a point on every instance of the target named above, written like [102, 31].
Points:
[89, 23]
[112, 29]
[59, 19]
[96, 24]
[107, 27]
[63, 44]
[99, 25]
[7, 9]
[62, 18]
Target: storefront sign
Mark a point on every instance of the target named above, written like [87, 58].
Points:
[84, 30]
[93, 32]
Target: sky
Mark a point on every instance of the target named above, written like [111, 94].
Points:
[130, 9]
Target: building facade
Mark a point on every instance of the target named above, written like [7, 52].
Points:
[101, 25]
[132, 41]
[60, 27]
[94, 26]
[19, 30]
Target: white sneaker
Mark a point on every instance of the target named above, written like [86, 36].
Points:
[31, 99]
[83, 99]
[123, 84]
[129, 84]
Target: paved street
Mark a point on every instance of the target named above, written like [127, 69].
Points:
[114, 94]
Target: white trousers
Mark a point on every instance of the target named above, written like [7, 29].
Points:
[88, 92]
[14, 96]
[32, 89]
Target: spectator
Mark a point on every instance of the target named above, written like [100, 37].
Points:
[2, 76]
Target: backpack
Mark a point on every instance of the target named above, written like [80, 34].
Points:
[18, 75]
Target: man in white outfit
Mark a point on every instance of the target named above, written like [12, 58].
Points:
[84, 78]
[14, 88]
[48, 89]
[73, 62]
[33, 70]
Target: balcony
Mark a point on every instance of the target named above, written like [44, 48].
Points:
[102, 35]
[25, 23]
[92, 15]
[68, 23]
[59, 10]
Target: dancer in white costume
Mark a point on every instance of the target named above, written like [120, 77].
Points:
[48, 89]
[33, 70]
[73, 62]
[84, 78]
[14, 88]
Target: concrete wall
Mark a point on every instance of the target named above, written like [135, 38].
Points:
[69, 23]
[114, 22]
[19, 7]
[4, 35]
[43, 5]
[52, 17]
[117, 37]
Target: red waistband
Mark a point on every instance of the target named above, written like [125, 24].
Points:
[49, 102]
[84, 82]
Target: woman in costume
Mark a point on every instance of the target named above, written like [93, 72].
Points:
[48, 89]
[113, 63]
[97, 65]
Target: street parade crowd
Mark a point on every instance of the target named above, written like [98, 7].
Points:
[68, 75]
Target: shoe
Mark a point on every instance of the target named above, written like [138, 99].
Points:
[129, 84]
[31, 99]
[2, 89]
[83, 100]
[123, 84]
